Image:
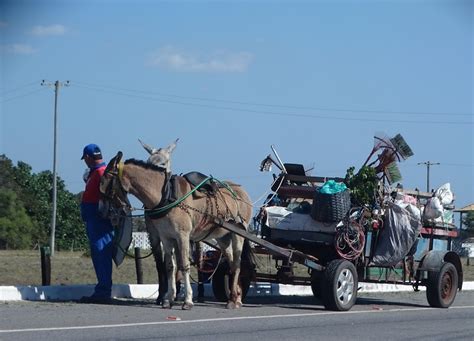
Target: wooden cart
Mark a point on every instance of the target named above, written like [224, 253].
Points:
[335, 280]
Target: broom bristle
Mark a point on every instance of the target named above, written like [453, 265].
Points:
[392, 172]
[403, 149]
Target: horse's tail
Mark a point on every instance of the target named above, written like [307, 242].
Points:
[247, 263]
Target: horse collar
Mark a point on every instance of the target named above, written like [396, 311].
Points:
[120, 170]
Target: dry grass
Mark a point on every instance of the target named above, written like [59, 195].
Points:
[24, 268]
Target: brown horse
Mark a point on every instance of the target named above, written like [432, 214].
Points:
[160, 157]
[192, 219]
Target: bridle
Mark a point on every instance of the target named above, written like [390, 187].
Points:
[112, 205]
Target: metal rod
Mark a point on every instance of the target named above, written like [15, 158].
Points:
[278, 158]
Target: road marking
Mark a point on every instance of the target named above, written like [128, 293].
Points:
[138, 324]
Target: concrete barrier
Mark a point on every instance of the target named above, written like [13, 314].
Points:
[150, 291]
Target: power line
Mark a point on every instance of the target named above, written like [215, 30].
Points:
[21, 96]
[458, 164]
[271, 112]
[443, 164]
[19, 88]
[276, 105]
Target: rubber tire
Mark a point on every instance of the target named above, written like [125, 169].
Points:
[442, 286]
[337, 270]
[219, 289]
[317, 284]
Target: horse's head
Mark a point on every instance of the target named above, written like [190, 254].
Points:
[114, 202]
[160, 157]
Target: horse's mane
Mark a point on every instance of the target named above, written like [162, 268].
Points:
[145, 165]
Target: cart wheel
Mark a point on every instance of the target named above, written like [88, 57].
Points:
[339, 285]
[442, 286]
[221, 284]
[317, 284]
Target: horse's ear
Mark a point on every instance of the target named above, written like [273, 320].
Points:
[111, 164]
[147, 147]
[172, 146]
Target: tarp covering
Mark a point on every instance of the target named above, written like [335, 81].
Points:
[396, 238]
[285, 219]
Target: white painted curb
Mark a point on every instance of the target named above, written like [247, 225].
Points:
[150, 291]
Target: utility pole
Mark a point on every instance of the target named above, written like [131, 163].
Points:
[428, 164]
[57, 85]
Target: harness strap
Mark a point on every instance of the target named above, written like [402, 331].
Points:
[166, 198]
[158, 212]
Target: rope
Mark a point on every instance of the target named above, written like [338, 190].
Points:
[275, 192]
[226, 186]
[350, 238]
[178, 201]
[213, 272]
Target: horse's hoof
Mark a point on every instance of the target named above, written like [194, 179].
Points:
[159, 300]
[187, 306]
[166, 304]
[230, 305]
[238, 305]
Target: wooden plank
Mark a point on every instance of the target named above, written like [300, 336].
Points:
[292, 255]
[312, 179]
[296, 192]
[415, 193]
[428, 231]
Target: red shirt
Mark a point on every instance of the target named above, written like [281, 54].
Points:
[92, 193]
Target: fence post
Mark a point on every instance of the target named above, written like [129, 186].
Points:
[45, 265]
[138, 265]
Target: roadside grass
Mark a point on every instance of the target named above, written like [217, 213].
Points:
[21, 267]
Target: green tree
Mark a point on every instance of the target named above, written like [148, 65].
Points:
[34, 191]
[7, 180]
[16, 227]
[468, 222]
[363, 185]
[70, 230]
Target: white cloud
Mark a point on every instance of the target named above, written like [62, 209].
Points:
[172, 59]
[52, 30]
[24, 49]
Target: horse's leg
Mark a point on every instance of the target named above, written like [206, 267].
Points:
[226, 247]
[182, 257]
[235, 299]
[160, 265]
[198, 258]
[170, 295]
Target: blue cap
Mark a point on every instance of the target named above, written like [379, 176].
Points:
[93, 151]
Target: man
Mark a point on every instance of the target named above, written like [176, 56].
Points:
[99, 230]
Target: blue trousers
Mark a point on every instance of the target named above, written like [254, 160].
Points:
[100, 233]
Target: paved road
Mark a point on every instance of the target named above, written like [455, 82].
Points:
[389, 316]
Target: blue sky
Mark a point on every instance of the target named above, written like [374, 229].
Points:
[316, 79]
